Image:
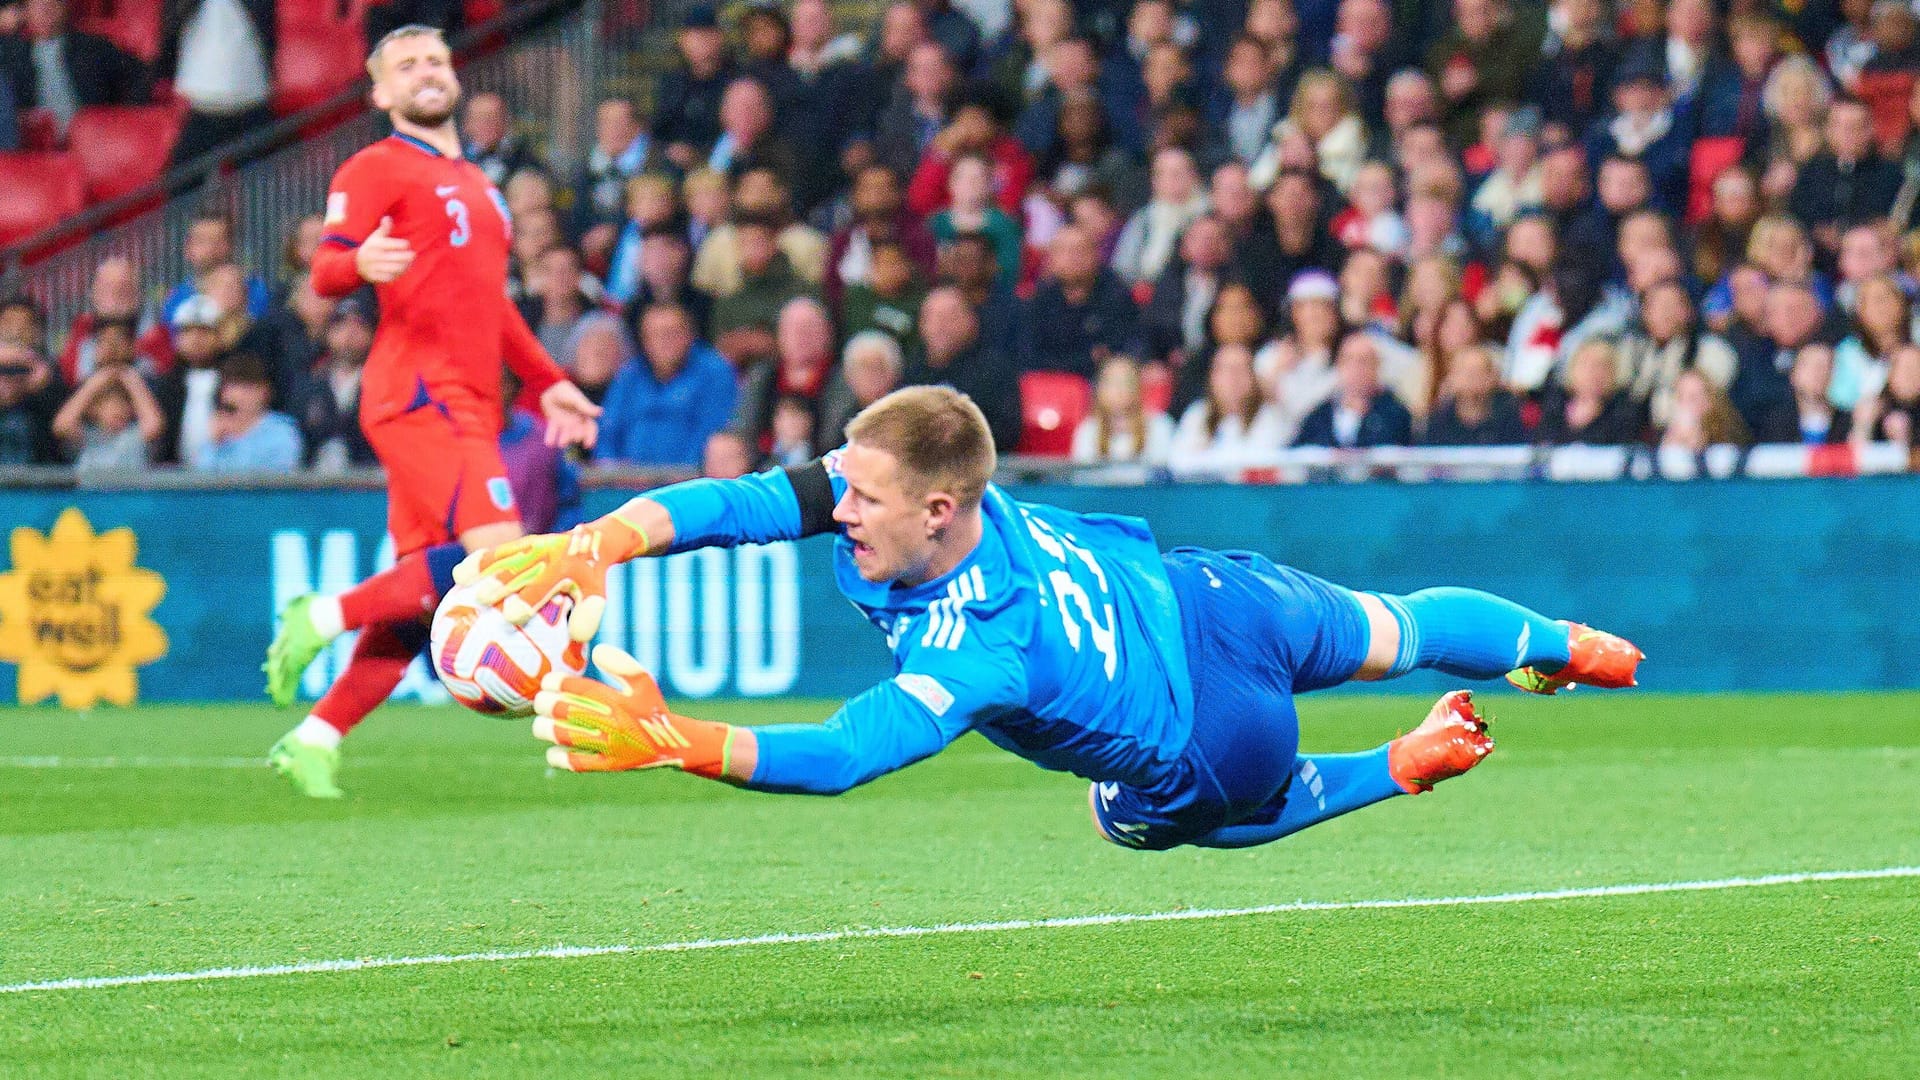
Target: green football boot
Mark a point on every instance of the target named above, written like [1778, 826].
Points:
[309, 768]
[295, 644]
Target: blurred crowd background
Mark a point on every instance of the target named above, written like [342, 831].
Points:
[1185, 234]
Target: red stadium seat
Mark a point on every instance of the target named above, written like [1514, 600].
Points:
[1052, 404]
[41, 189]
[122, 147]
[134, 25]
[1711, 157]
[314, 62]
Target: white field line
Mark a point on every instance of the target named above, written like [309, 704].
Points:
[65, 761]
[565, 952]
[57, 761]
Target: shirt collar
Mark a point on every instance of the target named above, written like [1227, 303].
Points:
[418, 143]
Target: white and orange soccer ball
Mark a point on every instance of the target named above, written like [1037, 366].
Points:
[494, 667]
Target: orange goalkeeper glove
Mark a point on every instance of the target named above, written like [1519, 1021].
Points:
[624, 723]
[522, 575]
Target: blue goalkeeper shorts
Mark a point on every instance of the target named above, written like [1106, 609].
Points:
[1256, 634]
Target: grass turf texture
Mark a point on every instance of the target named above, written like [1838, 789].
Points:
[455, 839]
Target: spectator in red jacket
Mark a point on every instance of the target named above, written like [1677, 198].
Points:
[976, 128]
[115, 295]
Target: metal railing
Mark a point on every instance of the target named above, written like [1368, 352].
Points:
[548, 59]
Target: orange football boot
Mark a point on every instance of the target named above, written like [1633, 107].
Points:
[1599, 659]
[1452, 739]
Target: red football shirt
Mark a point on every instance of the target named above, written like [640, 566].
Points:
[446, 323]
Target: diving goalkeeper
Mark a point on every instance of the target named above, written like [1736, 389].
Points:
[1166, 680]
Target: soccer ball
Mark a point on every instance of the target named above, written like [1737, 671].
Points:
[492, 666]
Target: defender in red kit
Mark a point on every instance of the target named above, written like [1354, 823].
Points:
[430, 232]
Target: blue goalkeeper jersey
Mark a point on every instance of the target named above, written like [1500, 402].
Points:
[1058, 638]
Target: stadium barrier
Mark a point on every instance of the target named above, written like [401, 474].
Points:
[109, 593]
[1299, 465]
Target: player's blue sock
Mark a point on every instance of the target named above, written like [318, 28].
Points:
[1324, 786]
[1473, 634]
[441, 559]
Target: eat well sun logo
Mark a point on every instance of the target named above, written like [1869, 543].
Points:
[76, 614]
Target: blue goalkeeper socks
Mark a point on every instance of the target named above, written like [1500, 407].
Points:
[1324, 786]
[1473, 634]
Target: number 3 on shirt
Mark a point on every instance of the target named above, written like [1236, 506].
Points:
[462, 224]
[1073, 596]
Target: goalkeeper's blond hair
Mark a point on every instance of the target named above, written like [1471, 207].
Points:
[937, 434]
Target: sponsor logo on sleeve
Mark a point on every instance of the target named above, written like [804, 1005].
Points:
[927, 690]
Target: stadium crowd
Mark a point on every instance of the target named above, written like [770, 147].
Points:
[1247, 224]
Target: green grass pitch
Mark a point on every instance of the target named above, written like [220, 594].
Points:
[142, 841]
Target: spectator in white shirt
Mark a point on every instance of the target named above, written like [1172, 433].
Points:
[1152, 235]
[219, 55]
[1233, 426]
[1121, 428]
[187, 394]
[1297, 370]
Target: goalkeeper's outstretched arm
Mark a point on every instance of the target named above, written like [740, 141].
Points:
[623, 723]
[521, 576]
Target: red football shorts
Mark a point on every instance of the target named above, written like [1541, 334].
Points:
[442, 478]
